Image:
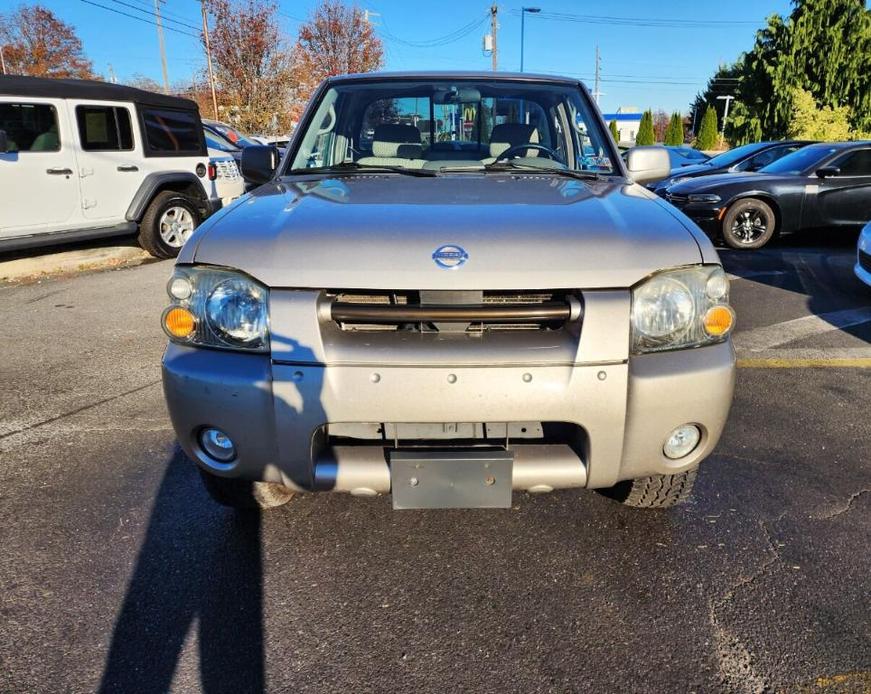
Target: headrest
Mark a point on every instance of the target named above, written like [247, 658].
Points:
[507, 135]
[391, 137]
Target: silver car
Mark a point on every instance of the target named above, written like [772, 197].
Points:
[449, 289]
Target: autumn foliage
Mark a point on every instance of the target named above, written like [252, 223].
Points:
[37, 43]
[336, 40]
[252, 64]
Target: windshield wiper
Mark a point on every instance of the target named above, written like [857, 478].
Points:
[352, 167]
[567, 173]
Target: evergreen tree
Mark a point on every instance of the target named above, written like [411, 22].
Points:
[823, 47]
[708, 136]
[612, 126]
[645, 134]
[674, 133]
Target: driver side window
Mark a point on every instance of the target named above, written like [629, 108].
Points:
[856, 163]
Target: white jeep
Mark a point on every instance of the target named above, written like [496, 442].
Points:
[82, 159]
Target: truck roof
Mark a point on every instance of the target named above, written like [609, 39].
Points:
[424, 75]
[20, 85]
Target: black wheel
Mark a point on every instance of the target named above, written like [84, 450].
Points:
[749, 224]
[656, 491]
[168, 222]
[245, 494]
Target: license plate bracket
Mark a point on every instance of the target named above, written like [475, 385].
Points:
[453, 479]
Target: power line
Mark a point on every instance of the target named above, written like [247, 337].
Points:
[640, 21]
[141, 19]
[151, 13]
[163, 11]
[452, 37]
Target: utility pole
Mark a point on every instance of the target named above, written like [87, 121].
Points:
[728, 98]
[162, 45]
[209, 58]
[596, 92]
[2, 59]
[494, 27]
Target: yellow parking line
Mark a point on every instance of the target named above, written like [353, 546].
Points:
[774, 363]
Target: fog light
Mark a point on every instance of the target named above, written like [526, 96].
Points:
[218, 445]
[682, 441]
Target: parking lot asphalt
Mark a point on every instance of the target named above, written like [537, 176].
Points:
[118, 574]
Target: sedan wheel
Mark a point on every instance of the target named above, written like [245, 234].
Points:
[749, 224]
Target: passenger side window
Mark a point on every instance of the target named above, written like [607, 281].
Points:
[30, 127]
[169, 133]
[104, 128]
[855, 163]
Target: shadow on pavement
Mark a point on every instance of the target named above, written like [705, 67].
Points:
[199, 564]
[817, 265]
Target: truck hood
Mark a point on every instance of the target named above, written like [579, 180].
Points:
[380, 231]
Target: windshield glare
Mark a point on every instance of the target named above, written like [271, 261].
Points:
[454, 124]
[799, 161]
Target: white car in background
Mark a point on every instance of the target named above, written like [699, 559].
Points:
[863, 255]
[82, 159]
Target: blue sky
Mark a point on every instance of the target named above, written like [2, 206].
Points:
[642, 65]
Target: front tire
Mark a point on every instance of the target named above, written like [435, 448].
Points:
[168, 222]
[749, 224]
[656, 491]
[245, 494]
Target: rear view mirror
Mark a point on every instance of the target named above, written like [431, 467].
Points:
[827, 171]
[648, 164]
[259, 163]
[4, 142]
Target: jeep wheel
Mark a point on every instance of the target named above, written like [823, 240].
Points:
[168, 222]
[245, 494]
[749, 224]
[656, 491]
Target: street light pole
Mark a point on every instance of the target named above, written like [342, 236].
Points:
[523, 11]
[728, 98]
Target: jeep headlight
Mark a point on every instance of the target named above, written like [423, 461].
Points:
[676, 309]
[213, 307]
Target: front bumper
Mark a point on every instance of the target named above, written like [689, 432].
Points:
[275, 412]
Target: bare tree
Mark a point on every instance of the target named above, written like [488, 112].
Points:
[660, 124]
[336, 40]
[252, 64]
[37, 43]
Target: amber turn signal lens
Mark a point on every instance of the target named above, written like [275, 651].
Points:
[179, 322]
[719, 320]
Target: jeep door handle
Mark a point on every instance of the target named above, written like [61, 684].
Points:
[59, 172]
[128, 167]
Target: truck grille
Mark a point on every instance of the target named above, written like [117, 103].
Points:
[454, 311]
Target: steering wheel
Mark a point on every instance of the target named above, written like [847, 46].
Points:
[515, 151]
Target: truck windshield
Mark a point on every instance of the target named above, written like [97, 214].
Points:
[445, 124]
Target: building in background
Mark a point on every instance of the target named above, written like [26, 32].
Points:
[628, 121]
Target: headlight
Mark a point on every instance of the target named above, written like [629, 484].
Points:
[703, 197]
[213, 307]
[681, 308]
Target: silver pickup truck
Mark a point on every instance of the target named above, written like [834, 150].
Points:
[450, 288]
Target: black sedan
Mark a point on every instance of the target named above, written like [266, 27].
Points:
[827, 185]
[751, 157]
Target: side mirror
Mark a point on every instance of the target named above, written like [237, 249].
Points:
[648, 164]
[4, 142]
[259, 163]
[827, 171]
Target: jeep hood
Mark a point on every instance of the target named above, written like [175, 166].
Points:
[380, 232]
